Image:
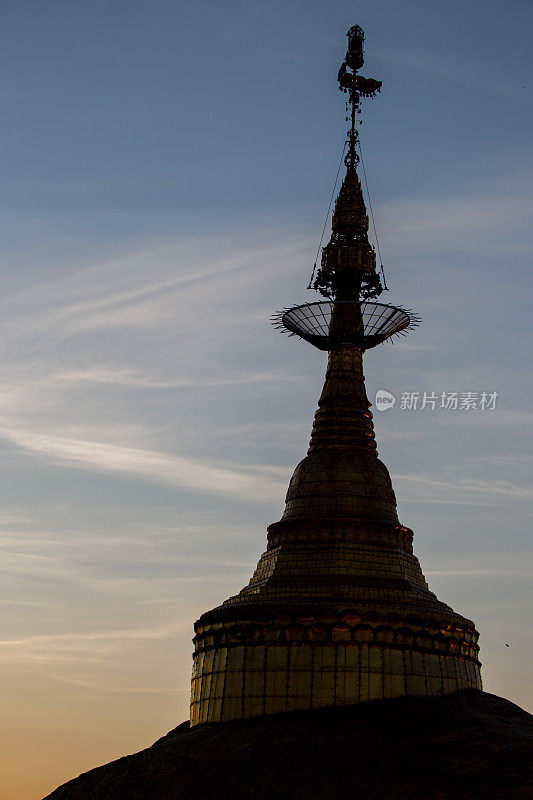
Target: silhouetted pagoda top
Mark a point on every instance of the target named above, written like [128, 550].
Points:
[348, 276]
[337, 611]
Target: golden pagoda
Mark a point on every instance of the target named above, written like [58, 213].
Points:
[337, 611]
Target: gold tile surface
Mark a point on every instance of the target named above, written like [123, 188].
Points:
[338, 610]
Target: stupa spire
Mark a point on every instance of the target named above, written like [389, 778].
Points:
[337, 610]
[348, 268]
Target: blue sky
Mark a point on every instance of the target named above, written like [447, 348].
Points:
[166, 171]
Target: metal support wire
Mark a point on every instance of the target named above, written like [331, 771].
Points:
[327, 216]
[372, 216]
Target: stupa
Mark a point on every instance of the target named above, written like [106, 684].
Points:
[337, 611]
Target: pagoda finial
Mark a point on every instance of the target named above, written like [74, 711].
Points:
[348, 266]
[347, 276]
[356, 87]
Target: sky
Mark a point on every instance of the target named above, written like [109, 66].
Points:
[166, 168]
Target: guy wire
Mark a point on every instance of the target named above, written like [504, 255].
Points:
[372, 215]
[327, 216]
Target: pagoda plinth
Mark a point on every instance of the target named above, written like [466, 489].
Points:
[338, 610]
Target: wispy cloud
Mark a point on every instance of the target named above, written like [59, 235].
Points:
[256, 483]
[69, 640]
[497, 204]
[491, 76]
[77, 341]
[468, 486]
[481, 573]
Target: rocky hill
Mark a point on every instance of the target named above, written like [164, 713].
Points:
[467, 746]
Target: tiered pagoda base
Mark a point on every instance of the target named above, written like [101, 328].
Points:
[337, 611]
[308, 657]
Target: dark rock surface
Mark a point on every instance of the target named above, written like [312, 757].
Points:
[466, 746]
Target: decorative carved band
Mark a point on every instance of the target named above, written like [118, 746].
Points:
[454, 643]
[451, 635]
[350, 531]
